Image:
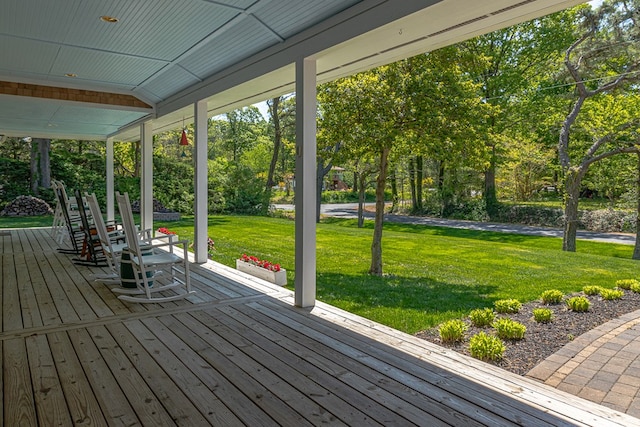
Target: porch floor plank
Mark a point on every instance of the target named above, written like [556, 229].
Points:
[237, 352]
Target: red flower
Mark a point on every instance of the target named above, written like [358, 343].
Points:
[164, 230]
[260, 263]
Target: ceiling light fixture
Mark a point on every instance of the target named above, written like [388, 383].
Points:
[108, 19]
[71, 75]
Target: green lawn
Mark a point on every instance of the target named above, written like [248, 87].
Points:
[431, 274]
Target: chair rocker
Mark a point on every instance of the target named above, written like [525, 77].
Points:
[146, 257]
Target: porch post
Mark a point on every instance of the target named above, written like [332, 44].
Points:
[110, 182]
[146, 183]
[201, 182]
[305, 184]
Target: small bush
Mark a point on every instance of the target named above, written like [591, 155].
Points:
[592, 290]
[486, 347]
[508, 306]
[636, 288]
[452, 330]
[552, 296]
[578, 304]
[482, 317]
[611, 294]
[626, 283]
[542, 315]
[509, 329]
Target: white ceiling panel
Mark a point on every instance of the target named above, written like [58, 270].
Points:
[37, 19]
[169, 82]
[276, 14]
[18, 107]
[104, 67]
[38, 61]
[147, 28]
[246, 36]
[80, 114]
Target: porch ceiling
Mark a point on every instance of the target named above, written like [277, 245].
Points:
[65, 73]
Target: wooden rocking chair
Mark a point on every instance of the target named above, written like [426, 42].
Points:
[145, 258]
[112, 242]
[74, 230]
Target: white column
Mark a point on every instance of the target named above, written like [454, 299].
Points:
[305, 184]
[200, 208]
[146, 183]
[110, 186]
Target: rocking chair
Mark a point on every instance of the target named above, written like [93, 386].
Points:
[145, 258]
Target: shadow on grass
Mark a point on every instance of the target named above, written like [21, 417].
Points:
[489, 236]
[546, 242]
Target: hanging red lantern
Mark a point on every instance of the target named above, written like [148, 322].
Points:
[183, 141]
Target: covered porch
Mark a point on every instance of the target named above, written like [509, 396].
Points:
[238, 352]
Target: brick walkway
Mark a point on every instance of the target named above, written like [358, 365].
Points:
[602, 365]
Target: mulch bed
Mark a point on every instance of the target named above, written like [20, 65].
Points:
[543, 339]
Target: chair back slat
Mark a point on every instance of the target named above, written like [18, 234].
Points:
[131, 235]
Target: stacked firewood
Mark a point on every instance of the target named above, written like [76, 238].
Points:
[27, 206]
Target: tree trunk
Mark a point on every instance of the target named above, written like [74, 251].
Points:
[44, 146]
[636, 248]
[376, 244]
[572, 193]
[277, 141]
[35, 179]
[355, 182]
[136, 159]
[412, 184]
[361, 199]
[394, 190]
[419, 176]
[490, 198]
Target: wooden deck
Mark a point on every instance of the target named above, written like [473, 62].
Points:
[235, 353]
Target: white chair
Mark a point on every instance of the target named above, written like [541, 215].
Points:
[112, 242]
[146, 258]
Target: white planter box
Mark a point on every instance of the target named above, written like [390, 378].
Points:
[277, 277]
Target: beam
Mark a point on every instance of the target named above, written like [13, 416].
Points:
[72, 95]
[201, 182]
[305, 184]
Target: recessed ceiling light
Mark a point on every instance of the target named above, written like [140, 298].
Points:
[71, 75]
[109, 19]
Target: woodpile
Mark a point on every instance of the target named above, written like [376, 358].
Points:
[27, 206]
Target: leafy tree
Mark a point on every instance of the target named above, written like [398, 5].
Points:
[507, 63]
[601, 62]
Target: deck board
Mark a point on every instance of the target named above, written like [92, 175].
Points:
[235, 353]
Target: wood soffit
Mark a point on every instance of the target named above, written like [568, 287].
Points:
[73, 95]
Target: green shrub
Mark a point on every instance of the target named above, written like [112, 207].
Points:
[636, 288]
[486, 347]
[482, 317]
[626, 283]
[578, 304]
[542, 315]
[508, 306]
[452, 330]
[592, 290]
[552, 296]
[611, 294]
[509, 329]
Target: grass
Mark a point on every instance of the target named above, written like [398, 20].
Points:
[432, 274]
